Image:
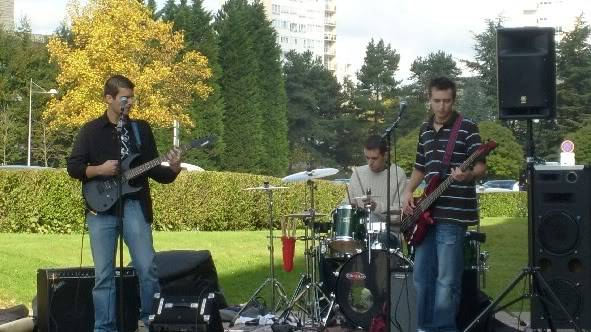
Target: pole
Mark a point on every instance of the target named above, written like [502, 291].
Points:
[30, 111]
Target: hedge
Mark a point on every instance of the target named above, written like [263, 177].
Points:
[49, 201]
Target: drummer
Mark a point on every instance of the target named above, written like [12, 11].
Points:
[372, 179]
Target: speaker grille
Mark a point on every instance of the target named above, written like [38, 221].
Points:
[570, 297]
[558, 233]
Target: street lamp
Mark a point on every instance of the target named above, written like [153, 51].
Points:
[31, 91]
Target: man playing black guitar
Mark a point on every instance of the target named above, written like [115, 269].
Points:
[438, 264]
[95, 155]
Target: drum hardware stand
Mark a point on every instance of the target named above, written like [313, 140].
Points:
[276, 287]
[308, 284]
[531, 272]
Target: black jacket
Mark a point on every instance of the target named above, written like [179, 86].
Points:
[97, 142]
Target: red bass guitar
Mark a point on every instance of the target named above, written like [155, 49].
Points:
[414, 226]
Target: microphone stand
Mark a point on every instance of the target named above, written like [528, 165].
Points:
[387, 137]
[119, 212]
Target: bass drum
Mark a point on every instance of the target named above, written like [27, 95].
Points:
[361, 287]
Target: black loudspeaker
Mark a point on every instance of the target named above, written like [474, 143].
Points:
[188, 273]
[403, 315]
[64, 299]
[561, 244]
[526, 73]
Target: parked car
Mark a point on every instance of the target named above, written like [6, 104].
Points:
[498, 186]
[186, 167]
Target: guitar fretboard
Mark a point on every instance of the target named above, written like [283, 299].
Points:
[133, 173]
[424, 204]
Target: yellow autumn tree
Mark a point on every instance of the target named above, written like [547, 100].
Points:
[120, 37]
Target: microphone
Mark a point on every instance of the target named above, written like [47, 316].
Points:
[402, 108]
[122, 117]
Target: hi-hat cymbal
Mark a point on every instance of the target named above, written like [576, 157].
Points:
[309, 175]
[364, 197]
[306, 215]
[266, 188]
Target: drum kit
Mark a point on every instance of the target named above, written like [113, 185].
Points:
[346, 261]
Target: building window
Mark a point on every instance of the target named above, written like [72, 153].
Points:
[276, 9]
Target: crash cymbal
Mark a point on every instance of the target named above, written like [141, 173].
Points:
[309, 175]
[364, 197]
[266, 188]
[306, 215]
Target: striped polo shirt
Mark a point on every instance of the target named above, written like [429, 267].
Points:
[458, 204]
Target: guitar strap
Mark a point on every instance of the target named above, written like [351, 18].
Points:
[136, 133]
[451, 143]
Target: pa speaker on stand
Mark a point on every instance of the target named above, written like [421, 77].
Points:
[526, 64]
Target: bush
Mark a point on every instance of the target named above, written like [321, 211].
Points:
[49, 201]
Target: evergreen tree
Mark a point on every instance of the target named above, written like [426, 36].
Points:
[472, 101]
[208, 114]
[377, 84]
[434, 65]
[273, 100]
[317, 131]
[243, 114]
[573, 66]
[485, 64]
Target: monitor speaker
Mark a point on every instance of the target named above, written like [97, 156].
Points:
[561, 244]
[526, 73]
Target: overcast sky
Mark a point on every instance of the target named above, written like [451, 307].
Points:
[413, 27]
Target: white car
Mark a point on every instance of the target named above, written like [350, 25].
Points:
[497, 186]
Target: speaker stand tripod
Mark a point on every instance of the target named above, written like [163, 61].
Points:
[277, 289]
[538, 286]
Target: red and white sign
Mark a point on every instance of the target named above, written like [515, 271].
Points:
[567, 146]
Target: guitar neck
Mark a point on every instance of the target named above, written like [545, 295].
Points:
[426, 203]
[133, 173]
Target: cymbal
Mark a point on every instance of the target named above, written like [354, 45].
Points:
[366, 197]
[266, 188]
[306, 215]
[309, 175]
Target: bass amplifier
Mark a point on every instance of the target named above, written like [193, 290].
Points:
[64, 299]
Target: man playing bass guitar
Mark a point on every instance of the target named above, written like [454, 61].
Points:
[438, 264]
[95, 155]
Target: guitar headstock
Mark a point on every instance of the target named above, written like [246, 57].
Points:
[487, 147]
[204, 142]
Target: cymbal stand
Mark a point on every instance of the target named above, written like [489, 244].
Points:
[276, 287]
[308, 288]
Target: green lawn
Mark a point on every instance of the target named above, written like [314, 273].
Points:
[241, 258]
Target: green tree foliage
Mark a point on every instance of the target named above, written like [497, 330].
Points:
[23, 58]
[581, 138]
[485, 63]
[315, 127]
[196, 23]
[574, 78]
[243, 113]
[273, 99]
[472, 100]
[434, 65]
[377, 85]
[507, 160]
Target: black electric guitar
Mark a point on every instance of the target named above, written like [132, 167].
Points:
[101, 193]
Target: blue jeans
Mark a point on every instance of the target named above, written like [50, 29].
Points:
[137, 234]
[438, 269]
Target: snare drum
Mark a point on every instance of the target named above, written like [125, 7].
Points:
[347, 232]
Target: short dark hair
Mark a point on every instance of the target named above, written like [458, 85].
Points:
[374, 142]
[115, 82]
[442, 83]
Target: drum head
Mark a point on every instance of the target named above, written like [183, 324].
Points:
[362, 285]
